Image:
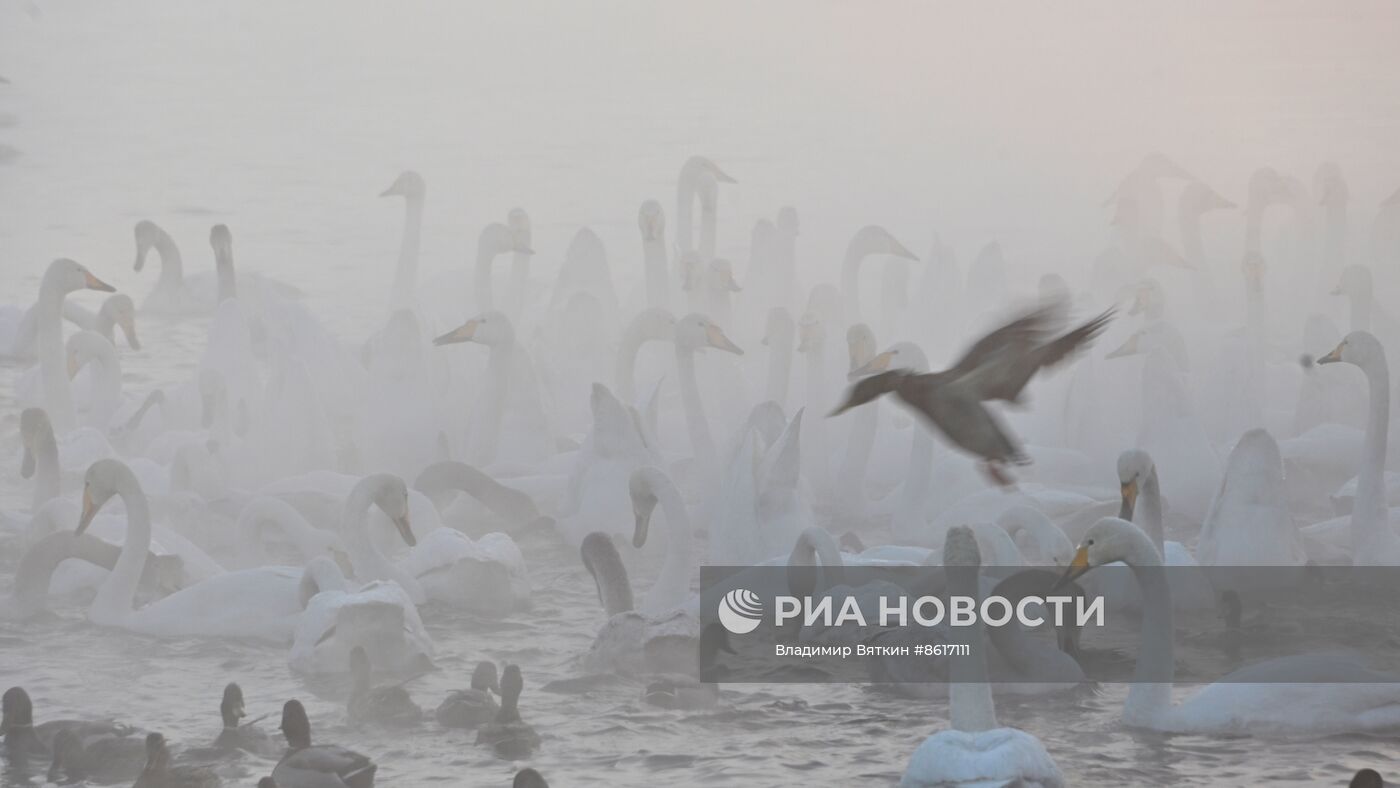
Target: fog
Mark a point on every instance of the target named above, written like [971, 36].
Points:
[436, 249]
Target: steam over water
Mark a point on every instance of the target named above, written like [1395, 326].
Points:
[955, 124]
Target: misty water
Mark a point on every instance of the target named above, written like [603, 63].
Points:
[946, 125]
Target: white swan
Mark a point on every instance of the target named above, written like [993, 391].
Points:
[975, 750]
[1249, 523]
[486, 575]
[262, 603]
[378, 617]
[62, 277]
[411, 187]
[630, 642]
[596, 497]
[653, 324]
[868, 240]
[1314, 695]
[694, 332]
[1373, 542]
[511, 389]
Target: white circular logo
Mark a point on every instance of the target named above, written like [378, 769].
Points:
[740, 611]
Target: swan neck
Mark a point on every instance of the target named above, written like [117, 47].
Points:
[695, 419]
[48, 482]
[58, 397]
[481, 274]
[406, 272]
[779, 369]
[172, 266]
[657, 278]
[674, 581]
[970, 706]
[1151, 508]
[1149, 697]
[118, 593]
[1371, 532]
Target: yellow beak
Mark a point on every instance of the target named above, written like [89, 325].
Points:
[878, 364]
[1130, 494]
[717, 339]
[463, 333]
[1076, 569]
[89, 512]
[1333, 357]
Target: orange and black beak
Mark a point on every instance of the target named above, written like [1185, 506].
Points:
[405, 530]
[462, 333]
[89, 511]
[1333, 357]
[93, 283]
[1076, 569]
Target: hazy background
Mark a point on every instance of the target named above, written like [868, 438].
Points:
[976, 121]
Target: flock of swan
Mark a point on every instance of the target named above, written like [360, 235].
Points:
[1172, 405]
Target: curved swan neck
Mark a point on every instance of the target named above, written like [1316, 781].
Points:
[970, 705]
[37, 565]
[370, 563]
[406, 272]
[116, 598]
[1149, 516]
[1149, 697]
[673, 583]
[47, 476]
[633, 337]
[172, 266]
[281, 514]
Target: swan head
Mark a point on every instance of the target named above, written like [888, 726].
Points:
[655, 323]
[779, 329]
[1360, 348]
[696, 167]
[121, 311]
[692, 269]
[1266, 187]
[295, 725]
[391, 496]
[147, 234]
[811, 333]
[104, 478]
[601, 559]
[1135, 466]
[905, 356]
[231, 707]
[409, 184]
[651, 221]
[860, 346]
[221, 239]
[484, 677]
[1329, 185]
[520, 236]
[489, 328]
[787, 221]
[1148, 296]
[1109, 540]
[68, 275]
[497, 238]
[696, 331]
[1355, 282]
[34, 425]
[16, 710]
[529, 778]
[873, 239]
[1199, 198]
[642, 487]
[720, 277]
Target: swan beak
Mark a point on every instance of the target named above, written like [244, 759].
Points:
[1076, 569]
[93, 283]
[842, 408]
[129, 330]
[731, 285]
[878, 364]
[721, 176]
[718, 340]
[463, 333]
[1128, 348]
[342, 560]
[391, 191]
[26, 465]
[1333, 357]
[1130, 493]
[89, 512]
[642, 511]
[900, 250]
[405, 531]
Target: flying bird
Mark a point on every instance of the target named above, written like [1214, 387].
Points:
[997, 367]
